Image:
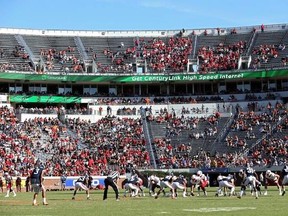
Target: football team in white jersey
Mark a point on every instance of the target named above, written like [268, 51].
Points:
[199, 182]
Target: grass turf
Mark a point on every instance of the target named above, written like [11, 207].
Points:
[60, 203]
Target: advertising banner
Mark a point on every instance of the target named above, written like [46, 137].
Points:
[97, 180]
[98, 78]
[43, 99]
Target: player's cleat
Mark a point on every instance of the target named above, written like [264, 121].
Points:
[283, 193]
[35, 204]
[239, 197]
[88, 198]
[156, 197]
[45, 203]
[117, 200]
[73, 198]
[265, 193]
[6, 196]
[14, 195]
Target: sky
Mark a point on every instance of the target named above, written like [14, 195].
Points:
[140, 14]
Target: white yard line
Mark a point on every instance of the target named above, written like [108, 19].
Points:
[224, 209]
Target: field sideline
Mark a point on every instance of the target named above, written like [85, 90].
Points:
[60, 203]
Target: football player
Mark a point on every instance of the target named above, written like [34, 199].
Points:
[166, 182]
[203, 181]
[285, 178]
[154, 182]
[37, 180]
[179, 183]
[272, 177]
[195, 184]
[133, 185]
[1, 184]
[81, 183]
[225, 182]
[247, 178]
[9, 184]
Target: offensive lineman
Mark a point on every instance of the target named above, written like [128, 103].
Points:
[166, 182]
[179, 183]
[225, 182]
[248, 178]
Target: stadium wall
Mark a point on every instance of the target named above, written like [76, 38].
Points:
[142, 33]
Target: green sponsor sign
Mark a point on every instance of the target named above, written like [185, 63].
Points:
[144, 78]
[43, 99]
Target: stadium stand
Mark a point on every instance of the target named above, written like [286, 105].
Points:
[99, 122]
[12, 55]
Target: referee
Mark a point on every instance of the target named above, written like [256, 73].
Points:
[111, 180]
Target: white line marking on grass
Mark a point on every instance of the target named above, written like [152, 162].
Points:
[36, 215]
[224, 209]
[33, 207]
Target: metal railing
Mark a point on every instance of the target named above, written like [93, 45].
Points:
[148, 138]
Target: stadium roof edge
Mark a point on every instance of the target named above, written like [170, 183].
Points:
[135, 33]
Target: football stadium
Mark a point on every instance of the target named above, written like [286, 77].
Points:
[182, 122]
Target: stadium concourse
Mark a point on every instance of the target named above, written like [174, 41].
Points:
[88, 102]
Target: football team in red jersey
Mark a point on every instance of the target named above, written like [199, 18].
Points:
[9, 184]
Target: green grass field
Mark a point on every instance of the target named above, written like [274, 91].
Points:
[60, 203]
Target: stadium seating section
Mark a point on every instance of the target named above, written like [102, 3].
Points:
[256, 135]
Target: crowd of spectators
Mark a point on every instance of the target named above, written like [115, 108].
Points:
[220, 58]
[273, 150]
[160, 55]
[92, 148]
[66, 58]
[179, 155]
[180, 100]
[18, 53]
[79, 146]
[251, 125]
[121, 61]
[16, 67]
[168, 159]
[264, 53]
[171, 55]
[77, 110]
[127, 111]
[115, 141]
